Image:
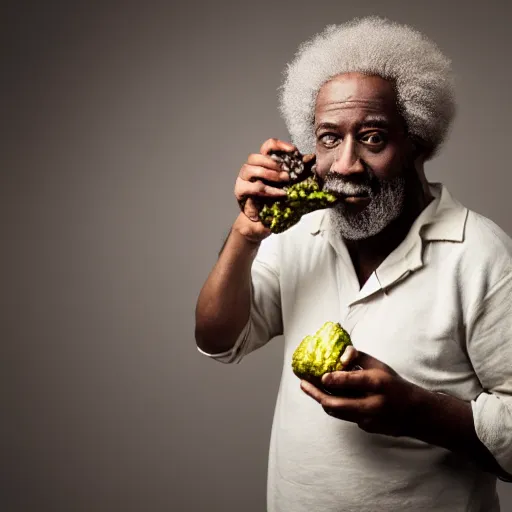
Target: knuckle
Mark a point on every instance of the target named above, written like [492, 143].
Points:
[380, 404]
[268, 144]
[375, 382]
[258, 172]
[375, 379]
[240, 187]
[325, 402]
[383, 380]
[261, 187]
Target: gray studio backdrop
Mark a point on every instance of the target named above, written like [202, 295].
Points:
[124, 126]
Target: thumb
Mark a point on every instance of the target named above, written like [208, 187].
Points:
[348, 357]
[368, 362]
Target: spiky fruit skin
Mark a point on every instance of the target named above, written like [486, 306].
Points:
[320, 353]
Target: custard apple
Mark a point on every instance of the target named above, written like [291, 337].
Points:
[321, 352]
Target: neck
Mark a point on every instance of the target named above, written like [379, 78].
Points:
[369, 253]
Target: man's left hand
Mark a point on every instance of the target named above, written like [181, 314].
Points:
[384, 402]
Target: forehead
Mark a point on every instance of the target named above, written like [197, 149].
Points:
[355, 96]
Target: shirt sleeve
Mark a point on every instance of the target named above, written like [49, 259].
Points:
[265, 318]
[490, 351]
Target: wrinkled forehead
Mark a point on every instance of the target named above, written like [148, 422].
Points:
[355, 91]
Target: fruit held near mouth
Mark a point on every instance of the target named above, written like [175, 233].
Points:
[304, 193]
[320, 353]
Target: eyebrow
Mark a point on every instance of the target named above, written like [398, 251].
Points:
[367, 122]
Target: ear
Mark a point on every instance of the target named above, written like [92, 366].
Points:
[416, 149]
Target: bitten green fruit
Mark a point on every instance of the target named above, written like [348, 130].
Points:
[301, 198]
[304, 192]
[321, 352]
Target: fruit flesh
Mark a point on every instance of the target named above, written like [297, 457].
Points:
[302, 198]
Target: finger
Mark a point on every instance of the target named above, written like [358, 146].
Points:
[276, 144]
[355, 410]
[314, 392]
[349, 409]
[245, 188]
[269, 162]
[309, 157]
[251, 210]
[320, 395]
[257, 172]
[364, 381]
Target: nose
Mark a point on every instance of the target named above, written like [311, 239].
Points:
[346, 159]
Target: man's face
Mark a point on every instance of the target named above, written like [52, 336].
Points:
[361, 150]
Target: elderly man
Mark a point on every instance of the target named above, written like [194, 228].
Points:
[422, 284]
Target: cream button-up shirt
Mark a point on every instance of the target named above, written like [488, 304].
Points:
[438, 310]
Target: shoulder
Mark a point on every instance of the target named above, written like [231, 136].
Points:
[475, 240]
[468, 246]
[487, 242]
[481, 230]
[485, 258]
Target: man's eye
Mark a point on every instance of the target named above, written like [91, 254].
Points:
[373, 138]
[327, 139]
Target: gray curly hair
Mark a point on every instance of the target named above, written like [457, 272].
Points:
[420, 73]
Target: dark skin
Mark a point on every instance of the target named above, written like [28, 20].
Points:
[366, 131]
[358, 130]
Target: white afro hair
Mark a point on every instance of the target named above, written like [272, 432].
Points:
[420, 73]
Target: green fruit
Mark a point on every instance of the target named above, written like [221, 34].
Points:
[304, 192]
[301, 198]
[321, 352]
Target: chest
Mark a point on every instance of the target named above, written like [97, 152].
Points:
[416, 326]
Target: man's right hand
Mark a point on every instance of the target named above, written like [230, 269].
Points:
[248, 183]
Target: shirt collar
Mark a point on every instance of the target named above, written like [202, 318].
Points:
[444, 219]
[448, 221]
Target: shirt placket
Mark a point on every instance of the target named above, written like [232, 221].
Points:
[354, 301]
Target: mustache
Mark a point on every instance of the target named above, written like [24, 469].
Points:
[336, 184]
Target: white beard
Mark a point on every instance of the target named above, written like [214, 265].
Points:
[384, 207]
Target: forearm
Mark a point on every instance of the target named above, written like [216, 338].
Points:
[446, 421]
[223, 305]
